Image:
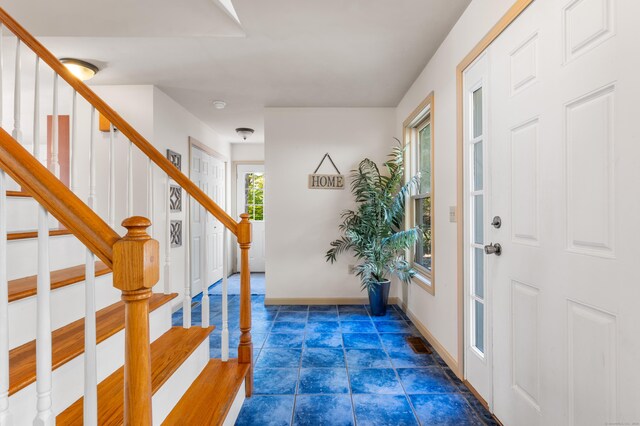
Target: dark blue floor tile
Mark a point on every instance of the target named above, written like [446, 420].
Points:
[407, 358]
[323, 380]
[354, 316]
[289, 308]
[275, 381]
[395, 340]
[392, 327]
[444, 409]
[292, 316]
[425, 380]
[391, 315]
[323, 340]
[367, 358]
[279, 358]
[323, 410]
[323, 308]
[266, 411]
[288, 327]
[383, 410]
[284, 340]
[323, 316]
[323, 327]
[261, 326]
[352, 308]
[321, 357]
[357, 327]
[375, 381]
[361, 340]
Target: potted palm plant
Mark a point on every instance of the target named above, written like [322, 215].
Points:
[374, 230]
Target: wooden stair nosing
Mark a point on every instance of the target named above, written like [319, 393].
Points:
[68, 342]
[168, 353]
[26, 287]
[210, 396]
[24, 235]
[20, 194]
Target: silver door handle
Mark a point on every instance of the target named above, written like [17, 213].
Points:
[493, 249]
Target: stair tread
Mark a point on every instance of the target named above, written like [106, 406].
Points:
[18, 194]
[68, 342]
[168, 353]
[33, 233]
[25, 287]
[209, 398]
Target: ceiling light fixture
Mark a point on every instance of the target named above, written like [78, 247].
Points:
[244, 132]
[81, 69]
[219, 104]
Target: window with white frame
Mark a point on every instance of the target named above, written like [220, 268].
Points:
[422, 201]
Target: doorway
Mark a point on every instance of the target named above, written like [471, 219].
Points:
[250, 192]
[208, 171]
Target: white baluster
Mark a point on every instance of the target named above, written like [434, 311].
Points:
[225, 288]
[44, 414]
[1, 72]
[204, 261]
[92, 161]
[17, 93]
[5, 416]
[112, 177]
[72, 150]
[90, 400]
[130, 180]
[167, 246]
[150, 195]
[54, 164]
[186, 302]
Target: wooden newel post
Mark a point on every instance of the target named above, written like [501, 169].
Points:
[136, 269]
[245, 348]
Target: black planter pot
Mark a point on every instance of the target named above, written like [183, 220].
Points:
[379, 297]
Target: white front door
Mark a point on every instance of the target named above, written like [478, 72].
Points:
[250, 199]
[562, 158]
[208, 173]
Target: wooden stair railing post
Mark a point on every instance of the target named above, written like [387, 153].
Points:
[136, 269]
[245, 348]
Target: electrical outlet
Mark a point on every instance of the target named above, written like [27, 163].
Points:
[352, 269]
[452, 214]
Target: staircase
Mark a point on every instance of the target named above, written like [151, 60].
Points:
[85, 338]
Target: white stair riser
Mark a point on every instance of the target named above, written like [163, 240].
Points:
[22, 257]
[68, 380]
[22, 214]
[236, 406]
[67, 305]
[172, 390]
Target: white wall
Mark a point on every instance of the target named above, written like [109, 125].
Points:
[300, 222]
[439, 313]
[247, 151]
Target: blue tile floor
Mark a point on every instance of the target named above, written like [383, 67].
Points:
[337, 365]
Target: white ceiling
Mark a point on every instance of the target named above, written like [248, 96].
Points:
[285, 53]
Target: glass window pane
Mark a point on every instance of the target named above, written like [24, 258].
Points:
[424, 159]
[477, 166]
[477, 113]
[478, 272]
[478, 220]
[423, 221]
[254, 195]
[479, 325]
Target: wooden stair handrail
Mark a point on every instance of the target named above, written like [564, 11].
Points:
[118, 122]
[59, 200]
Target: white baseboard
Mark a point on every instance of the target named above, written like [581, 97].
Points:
[235, 408]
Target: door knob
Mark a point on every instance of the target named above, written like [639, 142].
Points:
[493, 249]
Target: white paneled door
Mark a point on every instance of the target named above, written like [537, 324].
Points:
[562, 166]
[209, 174]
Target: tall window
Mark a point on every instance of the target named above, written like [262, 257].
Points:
[254, 195]
[422, 198]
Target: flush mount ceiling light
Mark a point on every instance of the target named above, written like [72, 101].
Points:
[244, 132]
[81, 69]
[219, 104]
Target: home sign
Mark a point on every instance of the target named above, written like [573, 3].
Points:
[321, 181]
